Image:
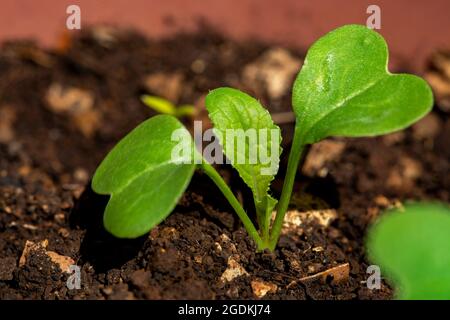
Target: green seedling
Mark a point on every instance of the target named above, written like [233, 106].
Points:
[164, 106]
[343, 89]
[411, 246]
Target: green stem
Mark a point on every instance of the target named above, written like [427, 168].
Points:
[263, 222]
[217, 179]
[297, 150]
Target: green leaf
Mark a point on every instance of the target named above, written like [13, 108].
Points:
[345, 89]
[143, 178]
[185, 110]
[412, 248]
[158, 104]
[235, 112]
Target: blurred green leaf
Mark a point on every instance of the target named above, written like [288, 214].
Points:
[412, 247]
[185, 110]
[159, 104]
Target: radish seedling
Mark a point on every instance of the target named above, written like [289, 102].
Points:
[412, 247]
[343, 89]
[164, 106]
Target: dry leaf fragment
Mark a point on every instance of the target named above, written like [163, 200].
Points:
[338, 274]
[31, 246]
[68, 99]
[77, 103]
[233, 271]
[273, 72]
[261, 288]
[63, 262]
[294, 218]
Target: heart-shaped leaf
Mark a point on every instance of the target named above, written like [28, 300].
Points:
[412, 247]
[144, 177]
[256, 157]
[345, 89]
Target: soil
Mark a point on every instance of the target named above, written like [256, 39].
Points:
[61, 110]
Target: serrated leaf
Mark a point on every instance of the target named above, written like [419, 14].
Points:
[143, 178]
[232, 110]
[345, 89]
[412, 248]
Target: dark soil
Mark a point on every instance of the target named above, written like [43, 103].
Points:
[52, 137]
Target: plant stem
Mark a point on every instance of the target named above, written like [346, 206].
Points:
[263, 222]
[248, 224]
[297, 150]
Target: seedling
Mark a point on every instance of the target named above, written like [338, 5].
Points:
[412, 246]
[343, 89]
[164, 106]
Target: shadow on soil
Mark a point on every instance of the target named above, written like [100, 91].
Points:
[101, 249]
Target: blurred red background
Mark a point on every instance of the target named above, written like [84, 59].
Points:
[412, 28]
